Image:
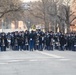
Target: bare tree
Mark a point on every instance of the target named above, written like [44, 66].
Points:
[7, 6]
[47, 11]
[40, 11]
[58, 12]
[11, 10]
[66, 15]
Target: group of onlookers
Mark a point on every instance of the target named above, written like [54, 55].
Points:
[37, 40]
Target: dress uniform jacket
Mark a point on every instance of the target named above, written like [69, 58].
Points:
[4, 43]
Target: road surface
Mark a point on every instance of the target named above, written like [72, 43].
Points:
[38, 63]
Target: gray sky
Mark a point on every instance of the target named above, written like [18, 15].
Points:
[28, 0]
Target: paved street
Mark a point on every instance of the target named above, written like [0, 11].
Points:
[38, 63]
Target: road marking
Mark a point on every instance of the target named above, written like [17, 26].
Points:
[65, 59]
[33, 60]
[10, 61]
[22, 60]
[51, 55]
[2, 63]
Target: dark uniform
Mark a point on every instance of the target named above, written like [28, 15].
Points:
[12, 41]
[48, 41]
[16, 39]
[62, 42]
[26, 41]
[31, 40]
[3, 42]
[75, 43]
[56, 38]
[0, 42]
[41, 41]
[20, 41]
[36, 41]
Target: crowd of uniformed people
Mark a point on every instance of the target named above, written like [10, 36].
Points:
[37, 40]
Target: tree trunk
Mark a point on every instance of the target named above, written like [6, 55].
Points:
[68, 27]
[46, 26]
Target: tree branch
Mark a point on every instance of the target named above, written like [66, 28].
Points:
[60, 18]
[37, 16]
[71, 13]
[73, 19]
[10, 10]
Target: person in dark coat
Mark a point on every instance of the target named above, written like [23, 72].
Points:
[0, 42]
[41, 41]
[48, 41]
[75, 43]
[69, 42]
[8, 36]
[62, 42]
[4, 43]
[31, 40]
[26, 40]
[12, 41]
[56, 38]
[16, 39]
[36, 44]
[20, 41]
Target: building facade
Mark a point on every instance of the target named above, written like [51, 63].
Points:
[12, 26]
[73, 9]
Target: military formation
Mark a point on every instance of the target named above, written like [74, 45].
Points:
[37, 40]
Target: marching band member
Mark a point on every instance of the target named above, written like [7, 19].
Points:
[3, 42]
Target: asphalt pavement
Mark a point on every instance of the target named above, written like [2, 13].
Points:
[38, 63]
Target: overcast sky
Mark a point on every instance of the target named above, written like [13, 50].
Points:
[28, 0]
